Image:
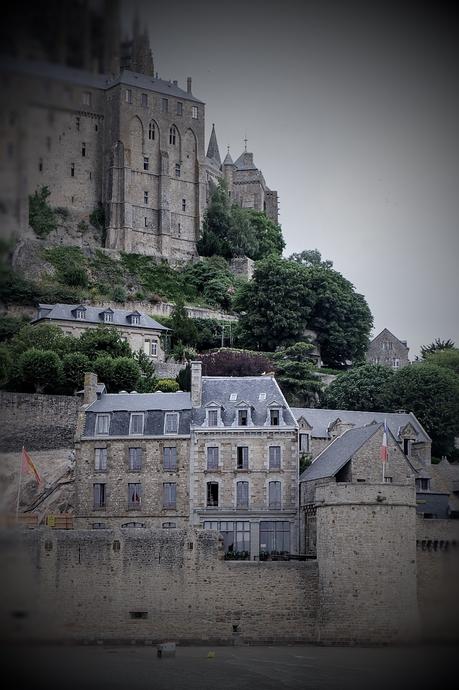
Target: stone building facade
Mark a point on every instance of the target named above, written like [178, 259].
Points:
[139, 330]
[103, 131]
[388, 350]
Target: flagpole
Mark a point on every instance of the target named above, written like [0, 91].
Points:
[19, 485]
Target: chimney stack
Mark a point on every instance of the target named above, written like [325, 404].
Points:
[188, 84]
[90, 388]
[196, 384]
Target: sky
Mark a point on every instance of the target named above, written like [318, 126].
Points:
[352, 113]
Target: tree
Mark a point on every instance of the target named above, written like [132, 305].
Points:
[340, 316]
[448, 358]
[184, 331]
[309, 258]
[167, 386]
[41, 369]
[147, 381]
[41, 337]
[119, 373]
[274, 306]
[437, 345]
[363, 388]
[297, 375]
[432, 394]
[10, 325]
[228, 362]
[42, 218]
[5, 364]
[268, 234]
[102, 341]
[74, 366]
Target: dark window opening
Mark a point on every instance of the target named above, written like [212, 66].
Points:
[138, 615]
[274, 417]
[212, 494]
[243, 458]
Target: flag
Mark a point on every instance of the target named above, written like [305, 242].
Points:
[384, 449]
[27, 464]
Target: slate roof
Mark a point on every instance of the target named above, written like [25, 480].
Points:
[228, 160]
[141, 402]
[339, 452]
[247, 389]
[320, 420]
[50, 70]
[63, 312]
[245, 163]
[212, 151]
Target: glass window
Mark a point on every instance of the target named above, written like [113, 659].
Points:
[212, 417]
[136, 423]
[151, 131]
[242, 494]
[171, 423]
[134, 495]
[144, 99]
[274, 538]
[99, 495]
[179, 108]
[108, 317]
[164, 105]
[274, 417]
[146, 162]
[274, 457]
[169, 525]
[169, 495]
[212, 458]
[304, 443]
[236, 536]
[170, 458]
[422, 484]
[128, 96]
[135, 459]
[194, 112]
[212, 494]
[183, 204]
[100, 459]
[102, 423]
[242, 458]
[172, 135]
[177, 170]
[274, 495]
[145, 198]
[243, 417]
[87, 97]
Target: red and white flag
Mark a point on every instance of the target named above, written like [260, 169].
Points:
[28, 465]
[384, 449]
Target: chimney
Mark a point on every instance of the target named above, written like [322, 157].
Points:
[90, 388]
[175, 82]
[188, 84]
[196, 384]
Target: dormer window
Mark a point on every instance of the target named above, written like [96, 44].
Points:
[80, 313]
[102, 424]
[134, 318]
[171, 423]
[243, 417]
[107, 316]
[212, 417]
[274, 417]
[136, 423]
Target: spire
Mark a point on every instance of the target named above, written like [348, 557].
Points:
[228, 160]
[212, 152]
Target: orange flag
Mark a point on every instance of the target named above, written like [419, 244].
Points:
[27, 464]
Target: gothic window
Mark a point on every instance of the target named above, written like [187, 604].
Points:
[212, 458]
[135, 459]
[170, 495]
[170, 458]
[172, 135]
[151, 131]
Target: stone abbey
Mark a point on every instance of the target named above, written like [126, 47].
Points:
[91, 120]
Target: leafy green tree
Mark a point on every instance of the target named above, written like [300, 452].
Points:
[102, 341]
[167, 386]
[5, 364]
[184, 378]
[297, 375]
[42, 218]
[74, 366]
[41, 337]
[118, 373]
[432, 393]
[309, 258]
[103, 367]
[232, 362]
[448, 358]
[10, 325]
[184, 331]
[438, 345]
[41, 369]
[268, 234]
[274, 306]
[147, 381]
[340, 316]
[363, 388]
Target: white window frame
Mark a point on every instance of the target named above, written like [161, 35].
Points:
[131, 417]
[135, 320]
[275, 409]
[194, 112]
[99, 417]
[80, 314]
[168, 415]
[86, 98]
[212, 410]
[128, 95]
[108, 317]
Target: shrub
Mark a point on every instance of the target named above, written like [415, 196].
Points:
[5, 364]
[42, 218]
[10, 325]
[119, 294]
[167, 386]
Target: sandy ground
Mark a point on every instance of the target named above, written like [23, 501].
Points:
[52, 466]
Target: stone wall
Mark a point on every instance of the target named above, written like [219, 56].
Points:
[437, 556]
[149, 585]
[39, 422]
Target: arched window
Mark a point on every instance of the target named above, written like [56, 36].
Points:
[151, 131]
[172, 135]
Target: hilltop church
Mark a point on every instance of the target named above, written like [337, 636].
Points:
[85, 114]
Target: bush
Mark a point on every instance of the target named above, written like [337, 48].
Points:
[119, 294]
[41, 369]
[167, 386]
[95, 342]
[120, 373]
[10, 325]
[42, 218]
[41, 337]
[5, 364]
[74, 366]
[75, 276]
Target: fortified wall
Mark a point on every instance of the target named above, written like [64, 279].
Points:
[154, 585]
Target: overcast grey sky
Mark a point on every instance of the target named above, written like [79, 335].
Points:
[351, 111]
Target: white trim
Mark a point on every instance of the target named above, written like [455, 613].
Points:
[171, 433]
[131, 416]
[101, 415]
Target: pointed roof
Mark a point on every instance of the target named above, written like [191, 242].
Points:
[245, 161]
[212, 152]
[228, 160]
